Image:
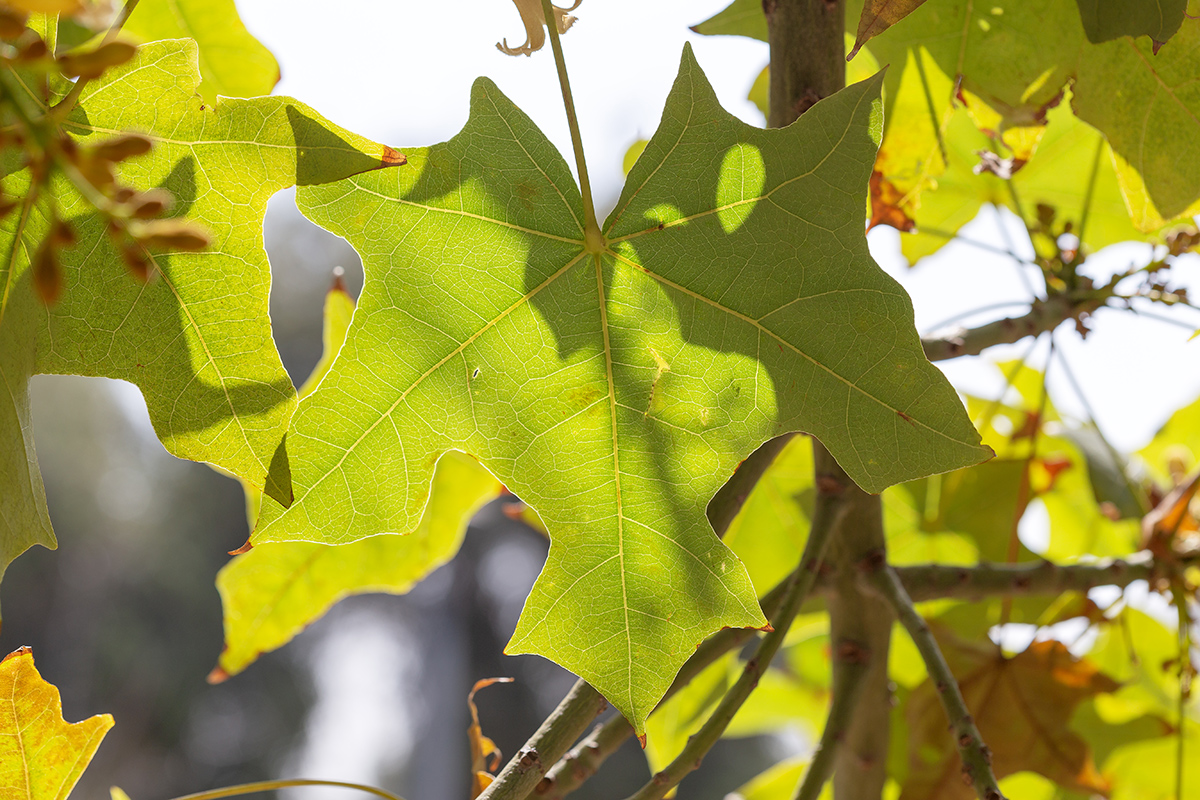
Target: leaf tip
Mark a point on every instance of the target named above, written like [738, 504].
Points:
[338, 284]
[642, 740]
[23, 650]
[218, 675]
[392, 158]
[246, 548]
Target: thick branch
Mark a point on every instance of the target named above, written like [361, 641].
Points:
[564, 725]
[807, 39]
[976, 758]
[857, 615]
[852, 661]
[826, 517]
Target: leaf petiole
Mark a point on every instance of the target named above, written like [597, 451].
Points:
[593, 239]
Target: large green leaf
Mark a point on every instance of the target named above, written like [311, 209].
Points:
[615, 391]
[232, 62]
[197, 338]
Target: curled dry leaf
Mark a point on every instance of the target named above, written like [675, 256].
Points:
[41, 754]
[485, 755]
[534, 20]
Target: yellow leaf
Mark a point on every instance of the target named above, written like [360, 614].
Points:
[41, 755]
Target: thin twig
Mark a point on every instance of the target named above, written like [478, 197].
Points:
[1042, 316]
[1023, 488]
[64, 106]
[976, 758]
[560, 730]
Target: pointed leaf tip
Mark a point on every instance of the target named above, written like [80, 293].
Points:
[392, 158]
[246, 548]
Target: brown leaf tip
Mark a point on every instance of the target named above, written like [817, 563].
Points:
[392, 158]
[338, 285]
[24, 650]
[246, 548]
[218, 675]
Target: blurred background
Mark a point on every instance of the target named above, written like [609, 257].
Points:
[124, 617]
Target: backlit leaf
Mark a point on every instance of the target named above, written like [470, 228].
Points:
[616, 391]
[196, 339]
[274, 591]
[1015, 59]
[232, 62]
[739, 18]
[41, 754]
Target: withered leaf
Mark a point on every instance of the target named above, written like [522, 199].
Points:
[1023, 707]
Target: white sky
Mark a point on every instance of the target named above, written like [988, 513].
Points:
[401, 73]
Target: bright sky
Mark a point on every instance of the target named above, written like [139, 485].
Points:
[401, 74]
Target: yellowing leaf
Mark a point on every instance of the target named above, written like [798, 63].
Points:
[485, 755]
[272, 592]
[41, 755]
[1023, 706]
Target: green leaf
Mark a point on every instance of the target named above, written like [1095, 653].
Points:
[1105, 20]
[1178, 440]
[196, 339]
[770, 529]
[1139, 652]
[1147, 770]
[616, 391]
[739, 18]
[272, 592]
[232, 62]
[1015, 60]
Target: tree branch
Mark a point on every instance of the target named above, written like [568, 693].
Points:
[976, 758]
[548, 744]
[829, 509]
[1043, 315]
[852, 660]
[934, 581]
